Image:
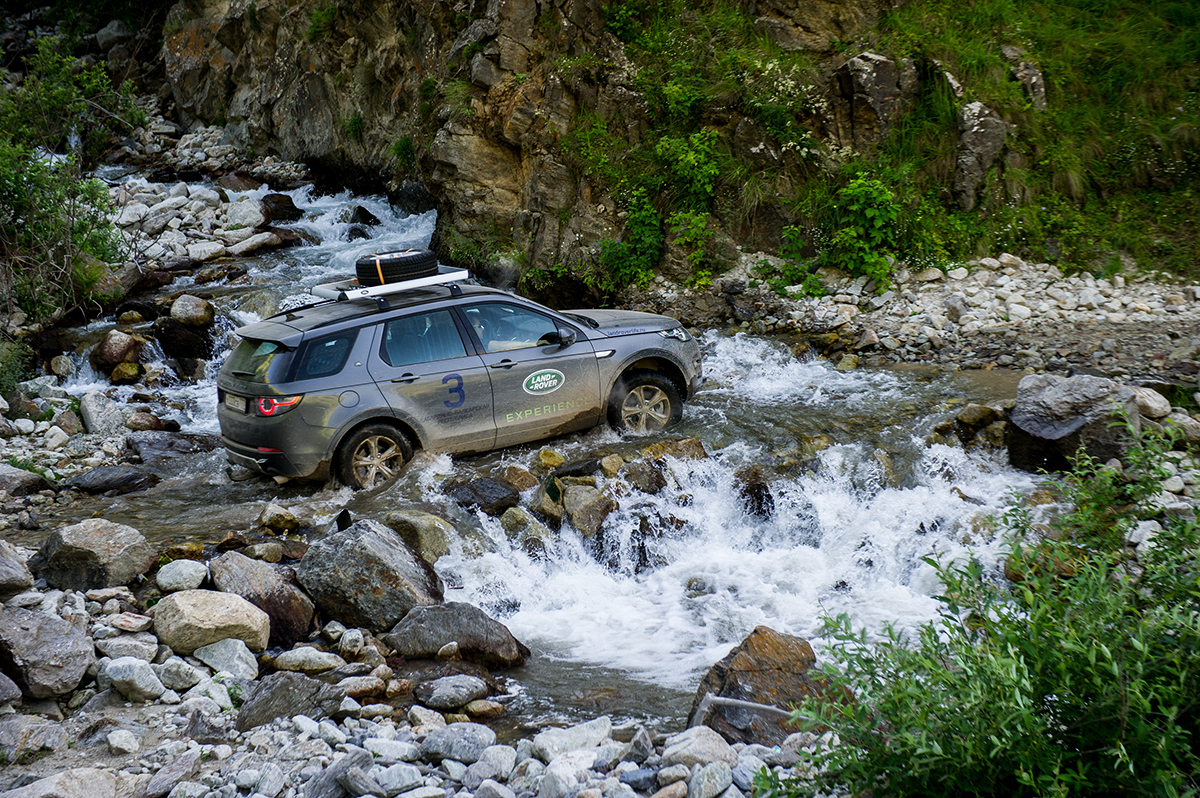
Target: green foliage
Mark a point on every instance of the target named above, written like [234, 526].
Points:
[26, 464]
[692, 162]
[458, 95]
[405, 153]
[864, 231]
[794, 277]
[54, 225]
[321, 22]
[695, 234]
[15, 360]
[354, 127]
[632, 260]
[1081, 679]
[252, 17]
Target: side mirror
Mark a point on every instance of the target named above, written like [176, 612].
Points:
[562, 336]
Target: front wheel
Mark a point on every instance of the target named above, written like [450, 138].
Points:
[372, 455]
[644, 402]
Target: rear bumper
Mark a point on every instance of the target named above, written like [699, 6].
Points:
[274, 464]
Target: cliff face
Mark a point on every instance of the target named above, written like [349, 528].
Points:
[464, 107]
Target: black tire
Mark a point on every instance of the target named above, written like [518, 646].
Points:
[643, 402]
[395, 267]
[372, 455]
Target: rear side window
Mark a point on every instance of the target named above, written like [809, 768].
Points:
[258, 361]
[422, 338]
[324, 357]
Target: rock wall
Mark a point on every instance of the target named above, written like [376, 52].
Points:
[464, 107]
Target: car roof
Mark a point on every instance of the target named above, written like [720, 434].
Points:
[288, 326]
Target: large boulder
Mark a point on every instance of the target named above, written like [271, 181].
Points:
[429, 535]
[119, 478]
[19, 482]
[489, 495]
[178, 340]
[101, 416]
[77, 783]
[24, 735]
[367, 576]
[265, 586]
[193, 311]
[45, 655]
[1056, 417]
[92, 554]
[14, 573]
[425, 630]
[285, 695]
[768, 667]
[116, 347]
[192, 618]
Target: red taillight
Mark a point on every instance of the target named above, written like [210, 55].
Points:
[276, 405]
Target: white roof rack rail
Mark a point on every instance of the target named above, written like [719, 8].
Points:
[350, 288]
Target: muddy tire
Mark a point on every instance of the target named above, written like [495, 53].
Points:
[643, 402]
[372, 455]
[387, 268]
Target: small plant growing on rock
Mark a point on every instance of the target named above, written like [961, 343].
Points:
[320, 24]
[354, 127]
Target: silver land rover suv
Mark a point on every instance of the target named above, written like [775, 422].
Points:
[349, 387]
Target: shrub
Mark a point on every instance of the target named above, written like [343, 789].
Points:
[320, 23]
[864, 231]
[632, 260]
[1081, 679]
[354, 127]
[692, 161]
[406, 154]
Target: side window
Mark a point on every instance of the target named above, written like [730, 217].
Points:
[502, 327]
[326, 356]
[421, 338]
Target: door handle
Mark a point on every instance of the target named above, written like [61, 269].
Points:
[407, 378]
[504, 364]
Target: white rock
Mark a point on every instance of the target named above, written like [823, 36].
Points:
[254, 242]
[181, 575]
[123, 741]
[1151, 403]
[245, 213]
[205, 250]
[229, 655]
[957, 274]
[131, 214]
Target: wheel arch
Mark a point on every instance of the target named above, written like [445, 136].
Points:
[347, 430]
[665, 366]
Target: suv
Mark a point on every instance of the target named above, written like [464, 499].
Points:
[351, 386]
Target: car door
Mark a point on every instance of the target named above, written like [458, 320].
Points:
[539, 388]
[430, 379]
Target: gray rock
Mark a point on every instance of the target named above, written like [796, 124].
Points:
[388, 751]
[451, 692]
[981, 134]
[247, 213]
[366, 576]
[22, 735]
[1056, 416]
[464, 742]
[710, 781]
[101, 415]
[175, 674]
[264, 586]
[356, 781]
[427, 534]
[326, 785]
[307, 659]
[76, 783]
[14, 573]
[9, 692]
[173, 773]
[19, 482]
[123, 741]
[288, 694]
[45, 655]
[587, 507]
[134, 679]
[400, 778]
[119, 479]
[425, 630]
[113, 34]
[492, 789]
[747, 768]
[229, 655]
[549, 743]
[193, 311]
[181, 575]
[489, 495]
[698, 745]
[143, 646]
[192, 618]
[271, 781]
[93, 553]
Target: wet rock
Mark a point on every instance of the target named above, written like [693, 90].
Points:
[159, 451]
[281, 208]
[177, 340]
[489, 495]
[278, 519]
[193, 311]
[93, 553]
[360, 215]
[290, 611]
[684, 449]
[101, 416]
[425, 630]
[1056, 416]
[587, 508]
[181, 575]
[519, 478]
[767, 668]
[367, 576]
[547, 501]
[754, 492]
[578, 468]
[114, 348]
[134, 679]
[45, 655]
[119, 478]
[451, 692]
[426, 533]
[192, 618]
[126, 373]
[645, 475]
[75, 783]
[462, 742]
[14, 573]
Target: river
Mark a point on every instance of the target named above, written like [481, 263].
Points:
[627, 622]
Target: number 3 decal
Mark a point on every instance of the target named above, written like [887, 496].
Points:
[455, 390]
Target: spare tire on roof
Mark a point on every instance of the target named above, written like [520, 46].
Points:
[387, 268]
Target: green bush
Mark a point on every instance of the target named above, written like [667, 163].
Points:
[1081, 679]
[405, 153]
[320, 23]
[864, 231]
[354, 127]
[693, 163]
[632, 260]
[54, 227]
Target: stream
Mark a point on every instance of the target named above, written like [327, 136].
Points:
[626, 623]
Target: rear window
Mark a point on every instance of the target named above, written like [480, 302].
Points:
[258, 361]
[324, 357]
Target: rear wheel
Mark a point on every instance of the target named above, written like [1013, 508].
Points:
[373, 455]
[387, 268]
[644, 402]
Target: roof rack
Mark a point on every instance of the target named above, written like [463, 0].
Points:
[342, 290]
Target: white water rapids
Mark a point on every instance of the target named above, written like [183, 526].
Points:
[674, 580]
